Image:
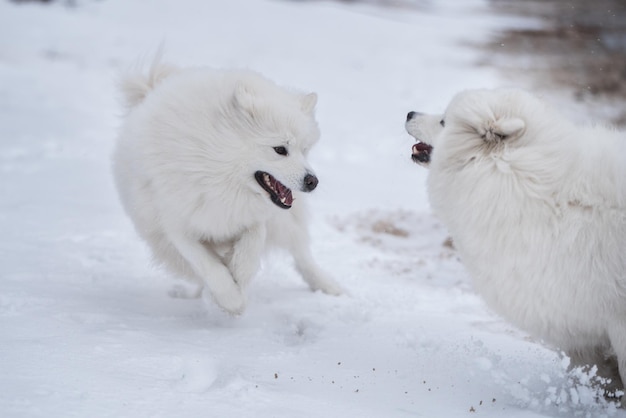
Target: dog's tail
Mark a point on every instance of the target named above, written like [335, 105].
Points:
[136, 84]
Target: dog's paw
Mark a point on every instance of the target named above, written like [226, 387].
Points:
[231, 300]
[326, 285]
[318, 279]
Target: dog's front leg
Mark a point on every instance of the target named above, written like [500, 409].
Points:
[245, 258]
[218, 281]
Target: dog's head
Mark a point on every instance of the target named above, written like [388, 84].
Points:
[279, 131]
[475, 122]
[424, 128]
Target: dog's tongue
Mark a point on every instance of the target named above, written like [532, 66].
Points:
[421, 147]
[283, 193]
[421, 152]
[286, 197]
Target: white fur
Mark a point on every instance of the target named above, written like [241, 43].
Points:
[184, 167]
[537, 210]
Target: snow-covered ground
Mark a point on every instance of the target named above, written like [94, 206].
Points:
[87, 328]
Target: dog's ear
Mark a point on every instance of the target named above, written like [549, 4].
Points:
[308, 102]
[501, 129]
[244, 97]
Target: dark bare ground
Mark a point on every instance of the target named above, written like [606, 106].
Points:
[580, 47]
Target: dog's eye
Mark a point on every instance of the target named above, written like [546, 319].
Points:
[281, 150]
[442, 123]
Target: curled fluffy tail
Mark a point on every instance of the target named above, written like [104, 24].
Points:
[136, 84]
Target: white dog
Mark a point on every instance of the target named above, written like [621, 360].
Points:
[537, 210]
[211, 166]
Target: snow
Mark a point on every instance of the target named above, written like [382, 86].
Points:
[88, 328]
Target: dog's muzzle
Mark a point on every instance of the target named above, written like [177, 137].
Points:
[420, 152]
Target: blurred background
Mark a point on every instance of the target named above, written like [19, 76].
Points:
[579, 46]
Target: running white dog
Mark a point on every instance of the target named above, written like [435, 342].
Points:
[211, 167]
[537, 210]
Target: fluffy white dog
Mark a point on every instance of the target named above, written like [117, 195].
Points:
[212, 168]
[537, 210]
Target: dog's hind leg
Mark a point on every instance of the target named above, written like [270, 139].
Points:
[291, 233]
[617, 335]
[313, 275]
[219, 283]
[604, 361]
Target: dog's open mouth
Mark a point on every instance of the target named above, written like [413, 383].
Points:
[421, 152]
[279, 193]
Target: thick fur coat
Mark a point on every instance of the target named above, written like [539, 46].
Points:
[536, 207]
[211, 166]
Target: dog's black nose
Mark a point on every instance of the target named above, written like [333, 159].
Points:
[310, 182]
[411, 115]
